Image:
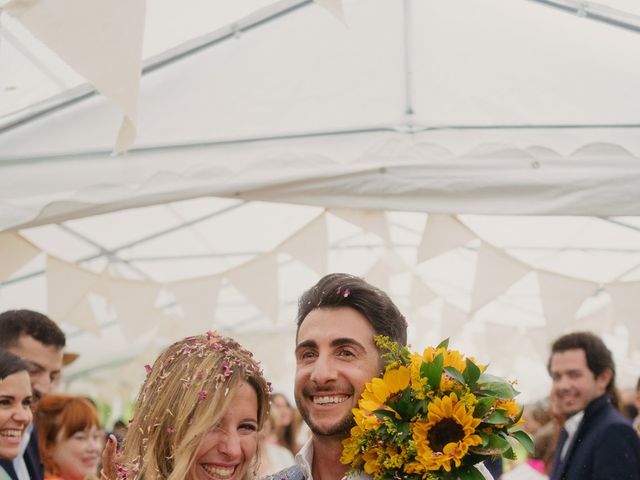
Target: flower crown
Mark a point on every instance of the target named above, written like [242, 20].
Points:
[433, 415]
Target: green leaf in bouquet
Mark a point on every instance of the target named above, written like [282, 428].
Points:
[433, 371]
[403, 405]
[497, 446]
[483, 406]
[443, 344]
[509, 454]
[497, 417]
[471, 373]
[503, 390]
[455, 374]
[382, 414]
[404, 430]
[525, 440]
[469, 472]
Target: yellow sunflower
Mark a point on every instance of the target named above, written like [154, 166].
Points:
[511, 408]
[379, 390]
[446, 436]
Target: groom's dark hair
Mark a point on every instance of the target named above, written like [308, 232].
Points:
[338, 290]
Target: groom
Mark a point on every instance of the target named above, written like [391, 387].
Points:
[335, 356]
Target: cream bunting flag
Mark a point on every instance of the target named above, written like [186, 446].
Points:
[371, 221]
[441, 234]
[598, 321]
[334, 7]
[15, 251]
[68, 289]
[134, 304]
[420, 293]
[453, 321]
[502, 342]
[257, 280]
[541, 339]
[198, 298]
[624, 302]
[561, 298]
[496, 271]
[388, 265]
[310, 245]
[99, 39]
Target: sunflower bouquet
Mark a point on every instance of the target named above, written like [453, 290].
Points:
[432, 416]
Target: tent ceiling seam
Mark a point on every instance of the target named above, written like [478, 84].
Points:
[596, 12]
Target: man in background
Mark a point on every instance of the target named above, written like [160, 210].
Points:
[36, 339]
[597, 442]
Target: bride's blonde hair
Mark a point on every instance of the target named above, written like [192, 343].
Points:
[187, 391]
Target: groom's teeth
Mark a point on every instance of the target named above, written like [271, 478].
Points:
[329, 399]
[219, 472]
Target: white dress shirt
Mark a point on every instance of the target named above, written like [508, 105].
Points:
[304, 459]
[571, 426]
[19, 464]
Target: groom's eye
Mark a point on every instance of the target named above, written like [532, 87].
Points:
[346, 353]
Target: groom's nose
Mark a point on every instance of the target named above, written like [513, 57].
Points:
[324, 370]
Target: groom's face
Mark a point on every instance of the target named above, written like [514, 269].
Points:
[335, 357]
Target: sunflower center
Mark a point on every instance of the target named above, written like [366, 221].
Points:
[445, 431]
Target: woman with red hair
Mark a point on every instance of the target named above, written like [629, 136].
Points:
[69, 437]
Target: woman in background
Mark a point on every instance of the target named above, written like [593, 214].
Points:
[69, 437]
[15, 407]
[284, 426]
[197, 415]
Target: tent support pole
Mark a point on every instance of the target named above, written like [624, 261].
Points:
[408, 70]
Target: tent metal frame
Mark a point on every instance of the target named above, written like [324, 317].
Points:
[592, 11]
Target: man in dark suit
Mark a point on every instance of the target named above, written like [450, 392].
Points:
[597, 442]
[39, 341]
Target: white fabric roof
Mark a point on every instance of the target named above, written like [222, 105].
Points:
[458, 107]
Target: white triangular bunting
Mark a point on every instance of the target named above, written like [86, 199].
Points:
[598, 321]
[561, 298]
[388, 265]
[258, 281]
[441, 234]
[310, 245]
[198, 299]
[625, 300]
[68, 289]
[116, 30]
[420, 294]
[453, 321]
[334, 7]
[371, 221]
[133, 301]
[15, 252]
[496, 271]
[502, 343]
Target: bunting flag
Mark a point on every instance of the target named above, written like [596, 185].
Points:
[442, 233]
[503, 347]
[15, 251]
[257, 280]
[624, 303]
[453, 321]
[598, 321]
[388, 265]
[420, 294]
[134, 304]
[496, 271]
[334, 7]
[541, 341]
[371, 221]
[561, 298]
[116, 32]
[68, 290]
[198, 298]
[310, 245]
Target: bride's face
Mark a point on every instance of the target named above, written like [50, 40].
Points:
[227, 451]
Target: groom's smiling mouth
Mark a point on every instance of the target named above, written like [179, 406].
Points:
[329, 399]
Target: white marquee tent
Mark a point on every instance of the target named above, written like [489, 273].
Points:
[277, 141]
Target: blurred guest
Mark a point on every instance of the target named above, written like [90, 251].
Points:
[284, 425]
[15, 406]
[36, 339]
[273, 457]
[69, 437]
[597, 442]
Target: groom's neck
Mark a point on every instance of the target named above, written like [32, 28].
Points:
[326, 458]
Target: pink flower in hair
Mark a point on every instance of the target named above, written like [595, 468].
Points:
[147, 369]
[202, 395]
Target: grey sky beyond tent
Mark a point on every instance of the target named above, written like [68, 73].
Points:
[265, 127]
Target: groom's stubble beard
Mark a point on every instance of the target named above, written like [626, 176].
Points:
[341, 429]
